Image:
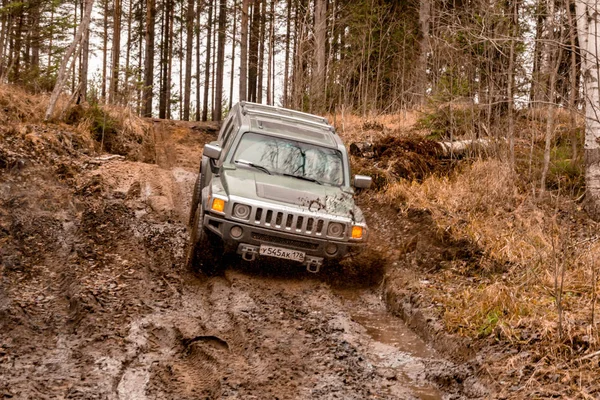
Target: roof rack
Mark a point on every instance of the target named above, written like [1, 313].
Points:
[286, 114]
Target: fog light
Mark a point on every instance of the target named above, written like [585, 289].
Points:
[331, 249]
[236, 232]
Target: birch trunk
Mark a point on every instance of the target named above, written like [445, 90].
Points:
[62, 72]
[320, 54]
[587, 29]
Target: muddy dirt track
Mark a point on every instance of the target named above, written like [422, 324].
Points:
[96, 302]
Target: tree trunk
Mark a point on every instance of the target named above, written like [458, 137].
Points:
[233, 54]
[220, 61]
[286, 68]
[208, 60]
[424, 48]
[140, 65]
[213, 62]
[318, 73]
[130, 44]
[244, 52]
[261, 52]
[62, 72]
[75, 23]
[270, 66]
[104, 50]
[534, 94]
[164, 62]
[35, 38]
[116, 53]
[4, 27]
[510, 84]
[573, 79]
[168, 81]
[83, 74]
[189, 42]
[198, 42]
[149, 58]
[554, 57]
[50, 46]
[253, 53]
[588, 28]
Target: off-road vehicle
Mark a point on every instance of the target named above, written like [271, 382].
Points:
[275, 183]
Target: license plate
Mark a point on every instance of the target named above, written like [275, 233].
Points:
[278, 252]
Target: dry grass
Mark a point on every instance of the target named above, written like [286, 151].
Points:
[75, 126]
[483, 205]
[18, 105]
[358, 129]
[543, 299]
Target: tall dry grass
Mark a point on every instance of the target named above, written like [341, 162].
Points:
[535, 239]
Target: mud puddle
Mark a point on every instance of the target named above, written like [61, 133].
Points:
[395, 351]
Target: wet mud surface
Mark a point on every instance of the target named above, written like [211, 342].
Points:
[96, 301]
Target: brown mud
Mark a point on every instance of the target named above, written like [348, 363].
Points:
[96, 302]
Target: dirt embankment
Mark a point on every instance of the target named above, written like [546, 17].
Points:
[95, 301]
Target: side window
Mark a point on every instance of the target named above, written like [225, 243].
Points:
[227, 133]
[230, 138]
[226, 126]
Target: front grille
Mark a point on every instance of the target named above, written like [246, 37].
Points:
[284, 241]
[289, 222]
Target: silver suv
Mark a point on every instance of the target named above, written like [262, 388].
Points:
[275, 183]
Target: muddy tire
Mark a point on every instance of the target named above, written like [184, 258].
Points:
[195, 200]
[197, 194]
[205, 249]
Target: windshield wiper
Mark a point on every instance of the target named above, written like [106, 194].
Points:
[304, 178]
[251, 164]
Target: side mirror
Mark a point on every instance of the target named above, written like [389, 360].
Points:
[211, 151]
[362, 181]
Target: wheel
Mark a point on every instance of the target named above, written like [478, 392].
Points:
[196, 195]
[205, 249]
[195, 200]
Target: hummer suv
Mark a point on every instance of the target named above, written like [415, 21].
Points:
[275, 183]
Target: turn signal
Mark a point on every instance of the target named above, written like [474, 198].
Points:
[218, 205]
[357, 232]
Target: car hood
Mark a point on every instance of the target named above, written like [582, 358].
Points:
[291, 192]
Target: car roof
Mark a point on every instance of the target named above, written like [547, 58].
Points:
[287, 123]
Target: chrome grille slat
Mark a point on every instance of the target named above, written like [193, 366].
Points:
[289, 221]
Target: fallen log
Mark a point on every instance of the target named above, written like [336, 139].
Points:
[454, 148]
[460, 147]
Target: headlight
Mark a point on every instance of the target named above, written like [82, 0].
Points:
[241, 211]
[357, 232]
[218, 205]
[335, 229]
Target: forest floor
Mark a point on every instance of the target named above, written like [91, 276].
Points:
[96, 301]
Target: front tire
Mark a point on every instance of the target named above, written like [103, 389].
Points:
[205, 249]
[196, 195]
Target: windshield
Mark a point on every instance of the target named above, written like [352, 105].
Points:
[289, 157]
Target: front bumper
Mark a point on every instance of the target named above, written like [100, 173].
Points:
[257, 235]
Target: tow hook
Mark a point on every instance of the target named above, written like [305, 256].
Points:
[313, 264]
[248, 252]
